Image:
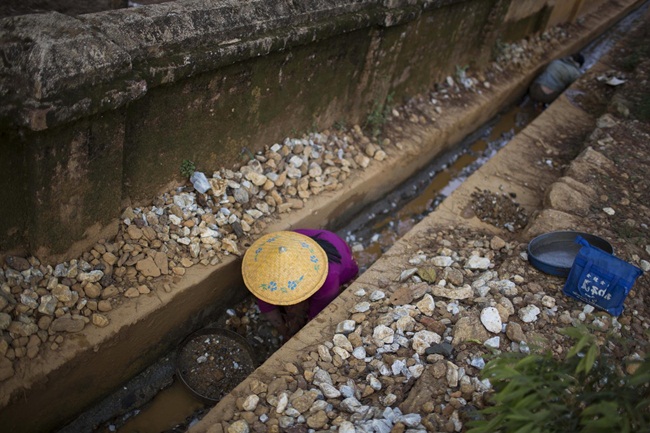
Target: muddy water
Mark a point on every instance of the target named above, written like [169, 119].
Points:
[381, 226]
[167, 410]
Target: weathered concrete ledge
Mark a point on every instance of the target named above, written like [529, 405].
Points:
[61, 68]
[51, 389]
[99, 111]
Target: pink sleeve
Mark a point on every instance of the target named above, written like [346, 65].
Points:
[265, 307]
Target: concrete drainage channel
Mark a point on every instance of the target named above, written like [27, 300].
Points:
[371, 233]
[175, 408]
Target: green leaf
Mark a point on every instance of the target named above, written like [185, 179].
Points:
[590, 358]
[427, 274]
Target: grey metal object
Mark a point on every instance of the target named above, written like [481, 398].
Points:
[554, 252]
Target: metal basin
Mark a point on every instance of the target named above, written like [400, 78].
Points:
[553, 253]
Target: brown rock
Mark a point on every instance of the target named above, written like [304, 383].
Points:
[515, 332]
[18, 263]
[93, 290]
[317, 420]
[134, 232]
[148, 268]
[110, 292]
[161, 261]
[402, 296]
[100, 320]
[433, 325]
[132, 292]
[496, 243]
[110, 258]
[67, 324]
[468, 329]
[104, 306]
[6, 368]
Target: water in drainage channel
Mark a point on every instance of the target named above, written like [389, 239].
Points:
[164, 405]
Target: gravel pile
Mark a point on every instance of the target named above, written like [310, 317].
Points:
[416, 345]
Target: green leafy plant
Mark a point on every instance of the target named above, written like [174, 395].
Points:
[461, 72]
[187, 168]
[378, 116]
[498, 49]
[585, 392]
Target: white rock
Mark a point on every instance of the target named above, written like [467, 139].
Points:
[529, 313]
[442, 261]
[452, 374]
[398, 367]
[417, 259]
[90, 277]
[347, 427]
[283, 401]
[645, 265]
[410, 420]
[477, 362]
[377, 295]
[346, 326]
[405, 324]
[548, 301]
[360, 292]
[491, 320]
[321, 376]
[250, 404]
[324, 353]
[493, 342]
[296, 161]
[426, 305]
[329, 390]
[416, 370]
[609, 211]
[476, 262]
[373, 382]
[344, 354]
[240, 426]
[383, 335]
[423, 339]
[351, 405]
[359, 352]
[408, 273]
[362, 307]
[342, 341]
[175, 220]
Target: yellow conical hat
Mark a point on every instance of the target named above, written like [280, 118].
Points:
[284, 268]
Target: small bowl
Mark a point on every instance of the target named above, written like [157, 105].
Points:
[553, 253]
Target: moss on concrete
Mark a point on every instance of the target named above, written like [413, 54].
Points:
[211, 118]
[74, 182]
[13, 203]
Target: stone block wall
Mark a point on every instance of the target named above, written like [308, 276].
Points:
[98, 111]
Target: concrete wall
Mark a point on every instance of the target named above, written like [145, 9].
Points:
[99, 111]
[70, 7]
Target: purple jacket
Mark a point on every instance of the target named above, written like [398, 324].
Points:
[338, 274]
